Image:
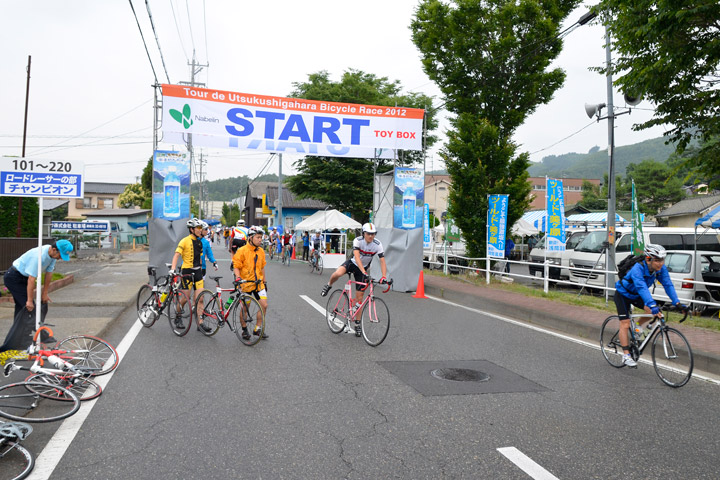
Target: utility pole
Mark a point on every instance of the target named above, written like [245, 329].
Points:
[18, 231]
[280, 212]
[195, 68]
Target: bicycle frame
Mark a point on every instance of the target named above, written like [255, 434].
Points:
[356, 308]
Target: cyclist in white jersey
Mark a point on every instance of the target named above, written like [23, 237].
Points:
[364, 250]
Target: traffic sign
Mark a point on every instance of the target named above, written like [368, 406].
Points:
[22, 177]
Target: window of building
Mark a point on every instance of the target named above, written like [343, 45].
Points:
[289, 223]
[105, 202]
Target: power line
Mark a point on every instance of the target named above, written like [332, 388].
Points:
[152, 24]
[562, 140]
[143, 40]
[177, 28]
[94, 141]
[192, 38]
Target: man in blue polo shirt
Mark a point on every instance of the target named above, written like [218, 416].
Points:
[20, 279]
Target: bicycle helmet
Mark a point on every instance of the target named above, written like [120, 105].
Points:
[256, 231]
[655, 251]
[240, 223]
[205, 225]
[369, 228]
[194, 222]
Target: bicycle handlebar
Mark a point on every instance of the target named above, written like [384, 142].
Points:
[675, 308]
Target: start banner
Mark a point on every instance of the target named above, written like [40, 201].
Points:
[259, 122]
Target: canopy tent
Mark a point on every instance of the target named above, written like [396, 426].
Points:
[138, 225]
[211, 221]
[523, 228]
[327, 219]
[593, 217]
[711, 220]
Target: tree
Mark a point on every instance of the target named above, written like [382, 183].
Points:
[133, 195]
[347, 183]
[654, 189]
[594, 197]
[146, 180]
[9, 218]
[669, 53]
[489, 58]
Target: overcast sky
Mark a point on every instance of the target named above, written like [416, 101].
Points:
[91, 96]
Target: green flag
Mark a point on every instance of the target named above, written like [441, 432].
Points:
[638, 240]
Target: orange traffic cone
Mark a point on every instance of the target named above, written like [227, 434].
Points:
[292, 257]
[420, 292]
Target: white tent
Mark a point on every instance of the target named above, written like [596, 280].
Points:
[327, 219]
[523, 228]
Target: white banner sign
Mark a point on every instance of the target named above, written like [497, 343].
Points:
[277, 124]
[22, 177]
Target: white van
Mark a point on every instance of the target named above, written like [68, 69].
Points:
[561, 259]
[589, 255]
[683, 274]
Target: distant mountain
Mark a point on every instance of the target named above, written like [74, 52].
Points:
[594, 164]
[226, 189]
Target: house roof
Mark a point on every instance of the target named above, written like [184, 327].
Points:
[289, 200]
[691, 206]
[109, 188]
[117, 212]
[53, 203]
[430, 179]
[258, 189]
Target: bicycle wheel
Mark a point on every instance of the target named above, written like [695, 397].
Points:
[18, 403]
[147, 307]
[312, 264]
[210, 313]
[375, 323]
[610, 341]
[319, 266]
[89, 353]
[16, 462]
[672, 357]
[248, 309]
[82, 387]
[337, 311]
[179, 313]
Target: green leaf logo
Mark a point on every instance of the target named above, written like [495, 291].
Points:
[182, 117]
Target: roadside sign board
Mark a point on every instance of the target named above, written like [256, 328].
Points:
[22, 177]
[81, 226]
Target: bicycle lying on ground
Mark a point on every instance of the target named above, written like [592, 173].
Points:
[16, 462]
[316, 263]
[672, 356]
[70, 365]
[342, 312]
[166, 296]
[247, 310]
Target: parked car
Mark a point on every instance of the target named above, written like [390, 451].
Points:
[562, 259]
[683, 274]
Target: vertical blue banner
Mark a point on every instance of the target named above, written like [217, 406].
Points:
[555, 227]
[171, 185]
[426, 227]
[408, 198]
[496, 225]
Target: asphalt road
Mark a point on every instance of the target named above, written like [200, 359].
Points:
[310, 404]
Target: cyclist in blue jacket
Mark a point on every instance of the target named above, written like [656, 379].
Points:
[206, 249]
[633, 289]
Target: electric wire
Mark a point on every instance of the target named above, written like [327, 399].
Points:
[92, 142]
[562, 140]
[192, 37]
[143, 40]
[177, 28]
[157, 41]
[207, 53]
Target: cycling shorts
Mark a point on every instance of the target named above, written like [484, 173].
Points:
[262, 294]
[237, 243]
[350, 267]
[194, 278]
[623, 305]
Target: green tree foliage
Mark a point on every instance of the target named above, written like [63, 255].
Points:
[347, 183]
[594, 197]
[9, 218]
[490, 60]
[133, 195]
[654, 187]
[669, 52]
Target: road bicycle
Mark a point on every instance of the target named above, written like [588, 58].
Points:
[672, 356]
[20, 401]
[70, 365]
[316, 263]
[16, 461]
[369, 319]
[165, 296]
[247, 310]
[286, 255]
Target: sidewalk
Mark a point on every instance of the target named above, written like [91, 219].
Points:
[580, 321]
[102, 289]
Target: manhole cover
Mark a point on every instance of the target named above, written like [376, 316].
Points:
[460, 375]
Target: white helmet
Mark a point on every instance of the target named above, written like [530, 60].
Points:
[654, 250]
[204, 224]
[255, 231]
[369, 228]
[194, 222]
[240, 223]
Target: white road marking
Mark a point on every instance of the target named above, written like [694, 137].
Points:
[315, 305]
[593, 345]
[526, 464]
[59, 443]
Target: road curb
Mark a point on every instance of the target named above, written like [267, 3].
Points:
[705, 361]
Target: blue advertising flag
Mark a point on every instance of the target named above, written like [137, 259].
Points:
[496, 225]
[555, 227]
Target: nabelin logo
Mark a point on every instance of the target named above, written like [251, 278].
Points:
[182, 117]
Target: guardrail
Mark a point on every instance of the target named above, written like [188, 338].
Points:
[453, 264]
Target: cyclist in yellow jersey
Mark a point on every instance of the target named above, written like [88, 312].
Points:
[190, 250]
[249, 264]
